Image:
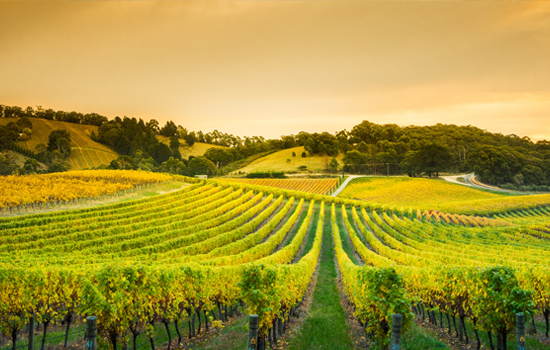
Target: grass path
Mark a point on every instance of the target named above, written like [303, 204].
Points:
[325, 326]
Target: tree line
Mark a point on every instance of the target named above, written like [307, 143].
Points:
[509, 161]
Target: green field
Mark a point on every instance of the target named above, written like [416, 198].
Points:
[320, 263]
[279, 161]
[198, 148]
[436, 194]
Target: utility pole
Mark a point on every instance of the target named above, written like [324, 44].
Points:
[388, 167]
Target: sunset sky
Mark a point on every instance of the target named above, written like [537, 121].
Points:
[275, 68]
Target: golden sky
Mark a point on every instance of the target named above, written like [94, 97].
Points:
[274, 68]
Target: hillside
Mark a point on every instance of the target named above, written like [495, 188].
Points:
[198, 149]
[278, 161]
[435, 194]
[85, 153]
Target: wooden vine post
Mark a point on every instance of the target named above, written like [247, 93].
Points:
[395, 341]
[520, 330]
[31, 333]
[91, 333]
[252, 333]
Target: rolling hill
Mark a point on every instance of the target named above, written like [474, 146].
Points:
[198, 149]
[278, 161]
[434, 194]
[85, 152]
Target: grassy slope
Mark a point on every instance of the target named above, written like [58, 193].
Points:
[198, 149]
[41, 129]
[85, 153]
[420, 193]
[278, 162]
[435, 194]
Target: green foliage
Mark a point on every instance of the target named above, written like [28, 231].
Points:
[31, 166]
[491, 164]
[385, 296]
[333, 166]
[58, 166]
[7, 165]
[259, 292]
[173, 166]
[322, 144]
[170, 129]
[123, 163]
[60, 140]
[266, 175]
[498, 297]
[220, 156]
[201, 166]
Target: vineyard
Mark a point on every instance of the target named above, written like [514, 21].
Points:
[321, 186]
[48, 189]
[428, 194]
[213, 247]
[87, 158]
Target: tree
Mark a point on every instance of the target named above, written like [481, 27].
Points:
[489, 163]
[333, 166]
[31, 166]
[170, 129]
[23, 123]
[63, 145]
[433, 158]
[8, 135]
[353, 160]
[173, 166]
[146, 164]
[53, 138]
[58, 166]
[7, 165]
[160, 152]
[201, 166]
[153, 126]
[219, 155]
[533, 175]
[367, 132]
[174, 143]
[410, 164]
[190, 138]
[123, 163]
[363, 147]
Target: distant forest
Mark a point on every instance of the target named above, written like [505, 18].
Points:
[508, 161]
